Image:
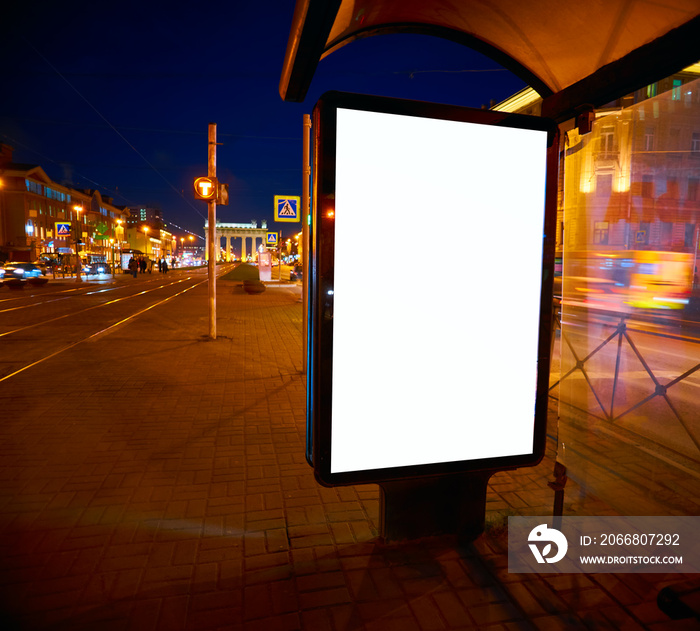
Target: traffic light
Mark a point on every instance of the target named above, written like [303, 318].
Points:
[206, 188]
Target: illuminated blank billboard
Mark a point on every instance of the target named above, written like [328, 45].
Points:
[430, 290]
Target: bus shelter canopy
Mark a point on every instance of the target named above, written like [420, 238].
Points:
[571, 53]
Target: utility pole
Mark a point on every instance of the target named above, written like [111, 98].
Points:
[305, 233]
[211, 172]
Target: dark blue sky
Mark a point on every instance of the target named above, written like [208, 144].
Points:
[118, 97]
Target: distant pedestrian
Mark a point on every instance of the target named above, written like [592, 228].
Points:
[160, 265]
[133, 266]
[142, 265]
[165, 266]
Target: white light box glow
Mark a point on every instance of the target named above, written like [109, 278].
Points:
[435, 284]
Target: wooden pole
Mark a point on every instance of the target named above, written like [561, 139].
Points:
[212, 234]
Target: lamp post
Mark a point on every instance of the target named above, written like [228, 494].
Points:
[120, 239]
[78, 263]
[111, 243]
[145, 246]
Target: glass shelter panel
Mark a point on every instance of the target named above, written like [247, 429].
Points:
[629, 383]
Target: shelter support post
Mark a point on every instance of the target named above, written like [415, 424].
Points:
[452, 504]
[558, 485]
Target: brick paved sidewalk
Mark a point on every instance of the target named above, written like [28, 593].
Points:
[172, 493]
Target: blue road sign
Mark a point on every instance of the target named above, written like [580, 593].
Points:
[62, 229]
[287, 208]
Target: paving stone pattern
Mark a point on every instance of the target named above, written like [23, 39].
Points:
[152, 479]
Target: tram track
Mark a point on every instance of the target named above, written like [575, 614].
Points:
[72, 313]
[24, 345]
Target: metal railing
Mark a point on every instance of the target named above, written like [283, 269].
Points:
[622, 333]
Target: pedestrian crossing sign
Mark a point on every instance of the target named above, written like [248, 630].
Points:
[272, 239]
[62, 229]
[287, 208]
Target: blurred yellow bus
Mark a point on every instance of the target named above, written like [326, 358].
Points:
[623, 280]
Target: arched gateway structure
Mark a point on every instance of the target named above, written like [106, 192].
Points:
[243, 231]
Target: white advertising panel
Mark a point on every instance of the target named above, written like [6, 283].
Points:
[434, 286]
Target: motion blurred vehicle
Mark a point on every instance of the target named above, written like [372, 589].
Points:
[295, 273]
[42, 265]
[18, 274]
[97, 268]
[626, 280]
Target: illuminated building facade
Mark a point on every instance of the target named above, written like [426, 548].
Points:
[39, 216]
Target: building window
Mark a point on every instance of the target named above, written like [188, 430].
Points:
[695, 144]
[649, 139]
[651, 90]
[666, 233]
[33, 187]
[604, 184]
[672, 189]
[676, 92]
[52, 194]
[647, 186]
[607, 139]
[693, 189]
[600, 233]
[689, 241]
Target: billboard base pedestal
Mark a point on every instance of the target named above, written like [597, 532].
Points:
[452, 504]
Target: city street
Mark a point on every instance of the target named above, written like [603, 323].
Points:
[41, 322]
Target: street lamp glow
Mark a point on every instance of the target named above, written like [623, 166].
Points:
[78, 261]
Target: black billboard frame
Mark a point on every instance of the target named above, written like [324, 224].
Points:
[321, 287]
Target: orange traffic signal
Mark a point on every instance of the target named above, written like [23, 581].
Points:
[206, 188]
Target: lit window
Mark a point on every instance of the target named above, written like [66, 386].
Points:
[676, 92]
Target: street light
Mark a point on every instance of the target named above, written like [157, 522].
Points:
[121, 235]
[145, 232]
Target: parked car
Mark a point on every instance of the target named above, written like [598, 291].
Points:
[18, 273]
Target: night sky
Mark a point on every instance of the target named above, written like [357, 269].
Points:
[118, 97]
